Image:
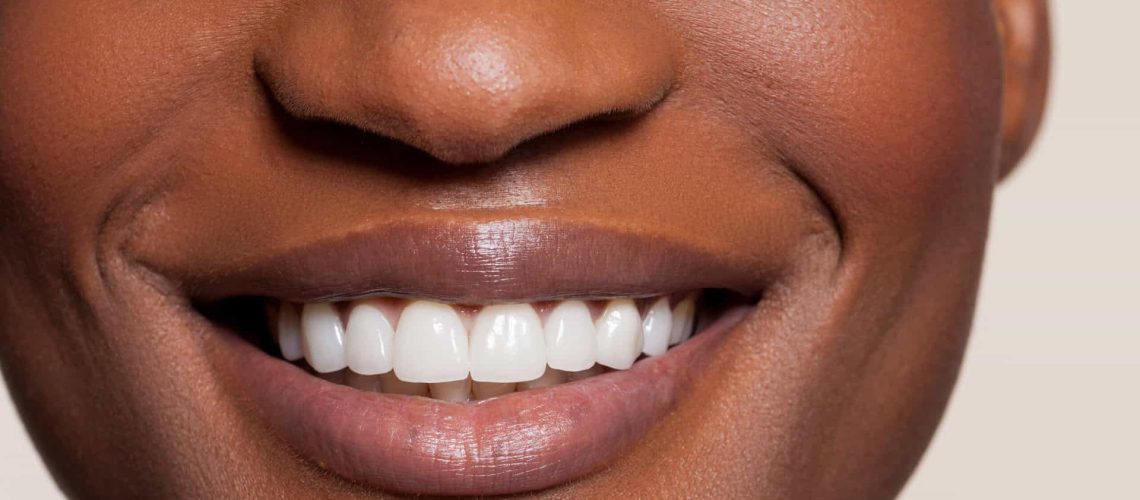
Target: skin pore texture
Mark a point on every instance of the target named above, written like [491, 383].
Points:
[836, 159]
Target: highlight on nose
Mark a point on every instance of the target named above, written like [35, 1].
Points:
[466, 82]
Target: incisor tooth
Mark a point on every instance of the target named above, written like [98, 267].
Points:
[507, 344]
[289, 332]
[570, 338]
[430, 344]
[458, 391]
[488, 390]
[619, 334]
[368, 340]
[658, 325]
[322, 337]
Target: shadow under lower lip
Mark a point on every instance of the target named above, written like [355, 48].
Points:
[519, 442]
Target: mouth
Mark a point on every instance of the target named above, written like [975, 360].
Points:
[468, 353]
[467, 381]
[426, 397]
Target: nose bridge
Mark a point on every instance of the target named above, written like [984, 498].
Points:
[466, 81]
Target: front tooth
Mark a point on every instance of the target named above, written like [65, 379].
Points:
[658, 325]
[488, 390]
[458, 391]
[368, 340]
[570, 338]
[619, 335]
[682, 321]
[289, 332]
[322, 337]
[430, 344]
[507, 344]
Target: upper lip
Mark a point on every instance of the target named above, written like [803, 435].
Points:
[483, 261]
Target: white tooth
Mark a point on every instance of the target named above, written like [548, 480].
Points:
[551, 377]
[458, 391]
[368, 340]
[507, 344]
[488, 390]
[322, 337]
[619, 334]
[430, 344]
[392, 385]
[682, 321]
[658, 325]
[570, 340]
[289, 332]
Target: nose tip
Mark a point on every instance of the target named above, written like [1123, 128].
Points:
[465, 82]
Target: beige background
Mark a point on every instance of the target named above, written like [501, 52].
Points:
[1048, 406]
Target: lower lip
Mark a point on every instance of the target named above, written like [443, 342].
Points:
[515, 443]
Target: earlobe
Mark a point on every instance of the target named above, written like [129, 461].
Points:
[1026, 45]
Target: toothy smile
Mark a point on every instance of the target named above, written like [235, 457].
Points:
[535, 350]
[462, 353]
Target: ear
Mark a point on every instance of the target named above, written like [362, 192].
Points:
[1023, 26]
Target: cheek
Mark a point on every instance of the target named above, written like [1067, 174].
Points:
[86, 85]
[891, 113]
[913, 129]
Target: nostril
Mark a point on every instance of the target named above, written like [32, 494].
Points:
[348, 143]
[468, 84]
[501, 134]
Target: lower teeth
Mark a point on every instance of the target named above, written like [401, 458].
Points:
[458, 391]
[458, 353]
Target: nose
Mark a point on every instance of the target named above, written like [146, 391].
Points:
[464, 81]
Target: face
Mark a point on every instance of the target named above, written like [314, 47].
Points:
[664, 248]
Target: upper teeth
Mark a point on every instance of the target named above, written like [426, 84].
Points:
[434, 343]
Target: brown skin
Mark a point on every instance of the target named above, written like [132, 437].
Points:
[136, 138]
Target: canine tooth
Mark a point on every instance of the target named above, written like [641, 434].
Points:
[289, 332]
[507, 344]
[393, 385]
[682, 321]
[619, 334]
[430, 344]
[322, 337]
[458, 391]
[368, 340]
[369, 383]
[658, 325]
[570, 337]
[487, 390]
[549, 378]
